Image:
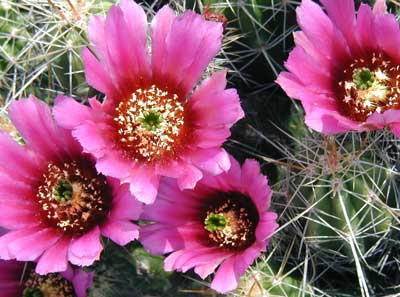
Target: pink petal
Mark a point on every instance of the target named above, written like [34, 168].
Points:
[34, 121]
[320, 30]
[97, 75]
[293, 87]
[312, 50]
[187, 175]
[12, 236]
[144, 184]
[95, 138]
[84, 250]
[365, 28]
[210, 137]
[69, 113]
[97, 37]
[212, 160]
[136, 22]
[247, 257]
[159, 239]
[12, 189]
[169, 190]
[342, 13]
[16, 160]
[266, 226]
[213, 106]
[112, 163]
[121, 232]
[256, 184]
[160, 27]
[329, 122]
[228, 181]
[38, 242]
[205, 270]
[160, 211]
[170, 260]
[200, 256]
[55, 258]
[190, 45]
[124, 206]
[388, 35]
[380, 120]
[308, 71]
[380, 7]
[17, 215]
[226, 278]
[82, 281]
[122, 60]
[395, 129]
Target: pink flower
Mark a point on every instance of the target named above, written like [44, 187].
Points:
[19, 279]
[224, 221]
[345, 67]
[150, 124]
[52, 198]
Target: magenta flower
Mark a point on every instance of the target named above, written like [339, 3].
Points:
[345, 67]
[52, 198]
[224, 221]
[150, 124]
[19, 279]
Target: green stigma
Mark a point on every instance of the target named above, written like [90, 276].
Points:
[363, 78]
[214, 222]
[32, 292]
[151, 120]
[63, 191]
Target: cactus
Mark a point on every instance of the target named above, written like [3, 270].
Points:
[342, 202]
[41, 43]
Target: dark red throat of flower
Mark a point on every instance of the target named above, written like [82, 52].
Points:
[50, 285]
[73, 197]
[151, 125]
[369, 84]
[230, 220]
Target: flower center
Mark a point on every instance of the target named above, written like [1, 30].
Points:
[32, 292]
[215, 222]
[50, 285]
[73, 197]
[369, 85]
[150, 125]
[230, 220]
[63, 191]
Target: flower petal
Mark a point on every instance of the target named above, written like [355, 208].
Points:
[121, 232]
[226, 278]
[69, 113]
[34, 121]
[55, 258]
[84, 250]
[320, 30]
[32, 246]
[190, 45]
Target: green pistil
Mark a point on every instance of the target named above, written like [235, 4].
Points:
[151, 120]
[363, 78]
[32, 292]
[214, 222]
[63, 191]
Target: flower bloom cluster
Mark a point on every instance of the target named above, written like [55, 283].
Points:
[152, 149]
[345, 67]
[83, 172]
